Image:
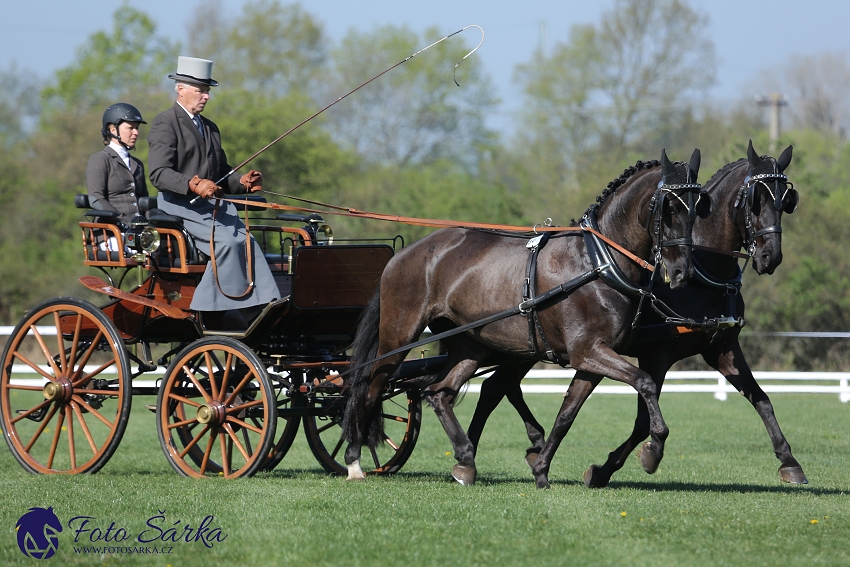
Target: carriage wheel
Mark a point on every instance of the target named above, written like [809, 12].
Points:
[65, 388]
[402, 415]
[215, 410]
[287, 427]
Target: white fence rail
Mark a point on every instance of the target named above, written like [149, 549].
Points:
[835, 383]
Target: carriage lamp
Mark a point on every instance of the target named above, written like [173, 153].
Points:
[149, 239]
[327, 234]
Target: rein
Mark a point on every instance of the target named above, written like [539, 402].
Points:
[440, 223]
[249, 256]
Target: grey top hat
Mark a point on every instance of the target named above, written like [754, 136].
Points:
[195, 71]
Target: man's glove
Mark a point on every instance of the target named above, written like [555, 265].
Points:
[253, 181]
[205, 188]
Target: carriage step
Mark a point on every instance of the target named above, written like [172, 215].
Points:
[151, 407]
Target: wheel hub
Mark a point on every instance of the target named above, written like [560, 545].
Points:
[212, 413]
[61, 389]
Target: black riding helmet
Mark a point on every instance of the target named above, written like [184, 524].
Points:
[118, 113]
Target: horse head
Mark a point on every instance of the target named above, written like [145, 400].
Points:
[764, 196]
[677, 201]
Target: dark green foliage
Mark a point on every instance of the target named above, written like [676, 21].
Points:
[414, 144]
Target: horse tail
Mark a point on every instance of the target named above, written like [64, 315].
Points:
[355, 424]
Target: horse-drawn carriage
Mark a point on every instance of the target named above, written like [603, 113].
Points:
[230, 401]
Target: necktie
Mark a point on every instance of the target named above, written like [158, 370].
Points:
[197, 120]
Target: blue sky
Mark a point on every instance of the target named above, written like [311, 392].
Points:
[41, 36]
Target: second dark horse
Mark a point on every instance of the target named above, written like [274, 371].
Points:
[748, 198]
[456, 277]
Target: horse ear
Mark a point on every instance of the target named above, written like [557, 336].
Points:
[667, 167]
[753, 157]
[694, 165]
[785, 159]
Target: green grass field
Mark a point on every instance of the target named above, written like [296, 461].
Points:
[716, 500]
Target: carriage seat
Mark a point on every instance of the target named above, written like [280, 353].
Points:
[159, 219]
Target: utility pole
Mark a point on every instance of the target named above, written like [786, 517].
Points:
[775, 101]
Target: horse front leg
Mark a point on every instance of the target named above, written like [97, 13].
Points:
[441, 396]
[580, 389]
[603, 360]
[598, 476]
[729, 360]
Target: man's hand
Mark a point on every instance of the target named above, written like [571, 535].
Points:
[253, 181]
[205, 188]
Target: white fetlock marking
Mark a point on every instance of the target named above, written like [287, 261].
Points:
[355, 472]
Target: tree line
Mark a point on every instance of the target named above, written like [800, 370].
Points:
[412, 143]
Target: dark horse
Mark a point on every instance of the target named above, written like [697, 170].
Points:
[458, 277]
[748, 197]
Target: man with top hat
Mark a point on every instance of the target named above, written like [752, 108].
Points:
[186, 160]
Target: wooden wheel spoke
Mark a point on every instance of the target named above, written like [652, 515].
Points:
[92, 411]
[238, 388]
[240, 407]
[192, 403]
[225, 462]
[398, 418]
[228, 366]
[239, 422]
[236, 442]
[45, 351]
[191, 376]
[63, 360]
[110, 393]
[84, 427]
[183, 423]
[71, 449]
[87, 377]
[88, 354]
[194, 441]
[324, 428]
[32, 365]
[75, 341]
[41, 427]
[205, 461]
[375, 457]
[247, 440]
[337, 447]
[56, 434]
[24, 387]
[390, 442]
[24, 414]
[211, 374]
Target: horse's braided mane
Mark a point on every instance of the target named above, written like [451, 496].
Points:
[729, 166]
[723, 170]
[612, 186]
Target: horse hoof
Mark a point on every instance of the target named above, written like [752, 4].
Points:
[593, 477]
[542, 482]
[464, 475]
[530, 458]
[356, 478]
[648, 461]
[794, 475]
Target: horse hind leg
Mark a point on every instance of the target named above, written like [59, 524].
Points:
[505, 381]
[441, 396]
[580, 389]
[732, 364]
